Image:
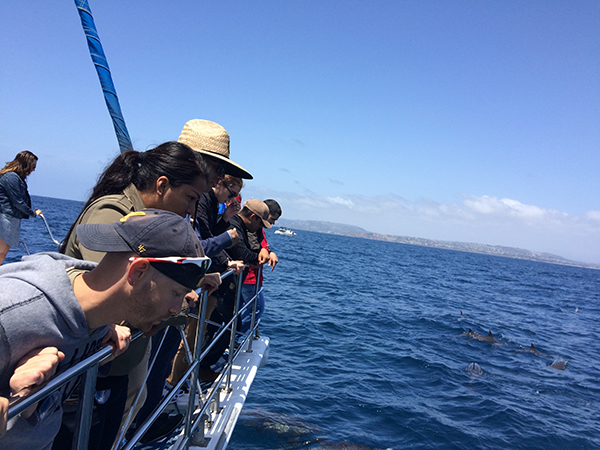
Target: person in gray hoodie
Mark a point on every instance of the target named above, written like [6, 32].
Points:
[51, 300]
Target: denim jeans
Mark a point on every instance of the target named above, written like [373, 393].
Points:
[247, 293]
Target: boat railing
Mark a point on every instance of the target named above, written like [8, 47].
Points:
[198, 407]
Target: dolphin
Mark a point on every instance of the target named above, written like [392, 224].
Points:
[474, 369]
[281, 424]
[531, 349]
[559, 365]
[462, 314]
[481, 337]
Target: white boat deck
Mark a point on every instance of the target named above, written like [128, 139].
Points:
[220, 427]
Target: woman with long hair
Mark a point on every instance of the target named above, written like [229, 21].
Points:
[171, 177]
[15, 203]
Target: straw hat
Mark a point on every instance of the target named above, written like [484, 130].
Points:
[211, 139]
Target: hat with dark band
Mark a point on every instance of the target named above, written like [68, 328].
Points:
[211, 139]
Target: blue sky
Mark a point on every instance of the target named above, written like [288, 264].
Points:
[475, 121]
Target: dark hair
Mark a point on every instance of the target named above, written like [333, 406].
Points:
[245, 212]
[22, 165]
[274, 208]
[174, 160]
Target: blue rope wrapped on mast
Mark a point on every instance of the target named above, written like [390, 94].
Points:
[99, 60]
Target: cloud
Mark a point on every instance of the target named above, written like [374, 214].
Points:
[593, 216]
[509, 209]
[341, 201]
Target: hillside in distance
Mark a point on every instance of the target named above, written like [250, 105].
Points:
[497, 250]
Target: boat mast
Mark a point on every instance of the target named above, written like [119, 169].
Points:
[99, 60]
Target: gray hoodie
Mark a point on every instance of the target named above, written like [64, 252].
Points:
[39, 309]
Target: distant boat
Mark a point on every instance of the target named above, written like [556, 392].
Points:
[285, 232]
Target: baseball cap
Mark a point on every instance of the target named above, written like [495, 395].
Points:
[165, 238]
[259, 208]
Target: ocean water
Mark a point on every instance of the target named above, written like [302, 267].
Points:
[366, 350]
[366, 347]
[59, 214]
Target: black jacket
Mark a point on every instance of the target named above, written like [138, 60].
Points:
[208, 223]
[243, 250]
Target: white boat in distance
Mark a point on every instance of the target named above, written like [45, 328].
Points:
[285, 232]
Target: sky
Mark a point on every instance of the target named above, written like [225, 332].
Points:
[472, 121]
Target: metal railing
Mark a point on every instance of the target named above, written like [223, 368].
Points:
[195, 420]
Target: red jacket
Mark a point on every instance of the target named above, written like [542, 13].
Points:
[251, 277]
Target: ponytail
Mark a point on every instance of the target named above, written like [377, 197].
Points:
[174, 160]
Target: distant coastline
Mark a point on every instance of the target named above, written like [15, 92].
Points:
[496, 250]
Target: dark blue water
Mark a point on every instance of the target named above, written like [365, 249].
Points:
[59, 214]
[365, 347]
[366, 350]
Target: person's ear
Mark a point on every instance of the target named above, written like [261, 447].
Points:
[162, 185]
[138, 269]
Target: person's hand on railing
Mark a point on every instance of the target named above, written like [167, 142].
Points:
[3, 415]
[33, 371]
[273, 260]
[118, 337]
[211, 282]
[191, 298]
[236, 266]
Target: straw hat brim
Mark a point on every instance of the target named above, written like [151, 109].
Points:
[231, 168]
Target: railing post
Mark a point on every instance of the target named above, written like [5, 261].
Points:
[197, 438]
[84, 413]
[236, 307]
[132, 410]
[256, 291]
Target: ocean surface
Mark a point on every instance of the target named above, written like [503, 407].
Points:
[368, 347]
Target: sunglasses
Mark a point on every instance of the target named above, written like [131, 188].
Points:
[231, 193]
[201, 261]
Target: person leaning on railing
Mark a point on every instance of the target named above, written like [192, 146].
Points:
[208, 224]
[153, 259]
[210, 141]
[15, 203]
[169, 177]
[249, 287]
[253, 216]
